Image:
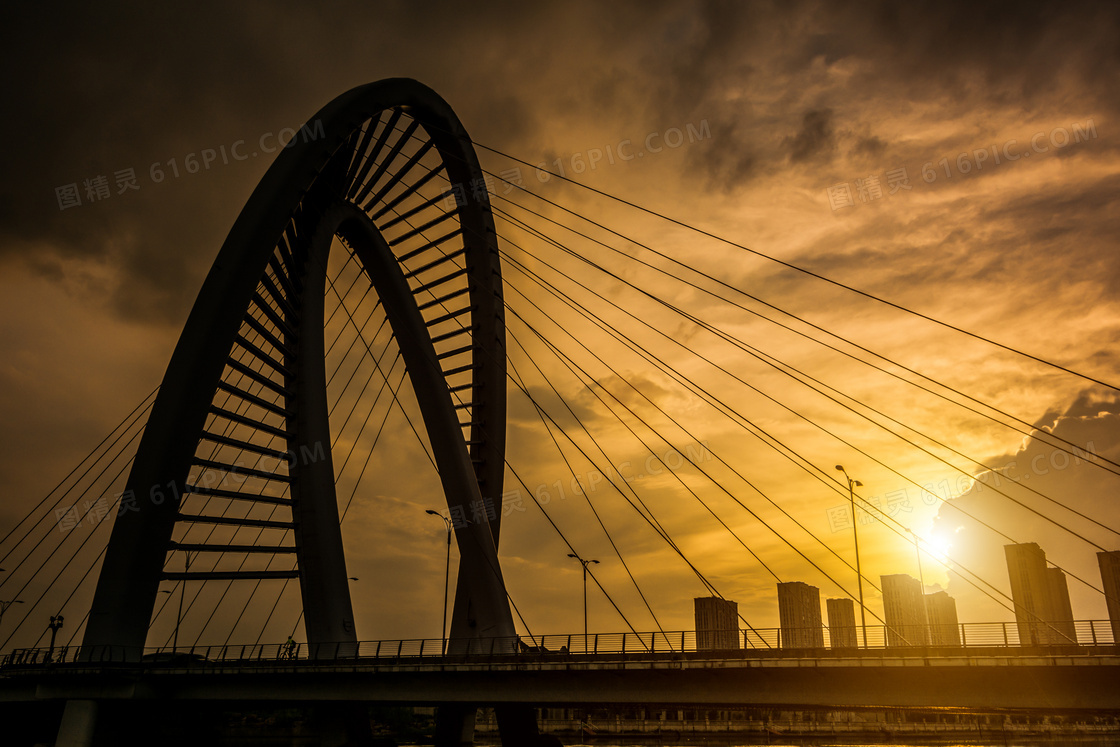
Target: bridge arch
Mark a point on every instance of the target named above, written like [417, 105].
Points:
[388, 169]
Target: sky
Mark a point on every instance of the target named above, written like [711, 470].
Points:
[957, 159]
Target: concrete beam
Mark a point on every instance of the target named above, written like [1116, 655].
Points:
[1048, 683]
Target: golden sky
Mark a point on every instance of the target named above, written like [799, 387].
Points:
[957, 159]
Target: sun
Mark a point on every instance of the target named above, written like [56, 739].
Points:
[938, 545]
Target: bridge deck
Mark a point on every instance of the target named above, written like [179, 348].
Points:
[1073, 679]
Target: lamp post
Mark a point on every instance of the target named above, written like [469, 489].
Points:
[55, 626]
[584, 563]
[446, 574]
[182, 593]
[852, 485]
[170, 593]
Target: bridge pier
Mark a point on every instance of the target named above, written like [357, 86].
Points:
[342, 725]
[455, 725]
[79, 719]
[517, 725]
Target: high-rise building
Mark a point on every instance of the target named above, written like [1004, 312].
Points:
[1110, 583]
[904, 611]
[1030, 592]
[1042, 609]
[941, 613]
[841, 623]
[1062, 619]
[717, 624]
[799, 612]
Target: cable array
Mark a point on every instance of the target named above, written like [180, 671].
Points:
[617, 350]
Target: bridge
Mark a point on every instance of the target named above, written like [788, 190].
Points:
[614, 670]
[369, 259]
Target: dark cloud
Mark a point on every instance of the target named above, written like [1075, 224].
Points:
[730, 160]
[130, 86]
[125, 87]
[956, 56]
[816, 139]
[870, 146]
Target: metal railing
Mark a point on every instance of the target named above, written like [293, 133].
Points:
[815, 641]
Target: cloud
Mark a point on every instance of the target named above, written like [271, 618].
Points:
[1076, 500]
[815, 140]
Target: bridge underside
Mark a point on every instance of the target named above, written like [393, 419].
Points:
[1053, 683]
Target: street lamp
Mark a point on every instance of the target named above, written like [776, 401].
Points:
[446, 574]
[584, 563]
[55, 626]
[852, 485]
[170, 593]
[182, 593]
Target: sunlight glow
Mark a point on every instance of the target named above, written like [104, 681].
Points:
[939, 547]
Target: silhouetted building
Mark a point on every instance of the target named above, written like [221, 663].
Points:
[941, 613]
[841, 623]
[799, 612]
[1042, 609]
[717, 624]
[904, 611]
[1110, 583]
[1063, 611]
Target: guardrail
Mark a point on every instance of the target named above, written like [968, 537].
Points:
[808, 641]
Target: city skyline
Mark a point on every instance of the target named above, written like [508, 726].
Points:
[913, 617]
